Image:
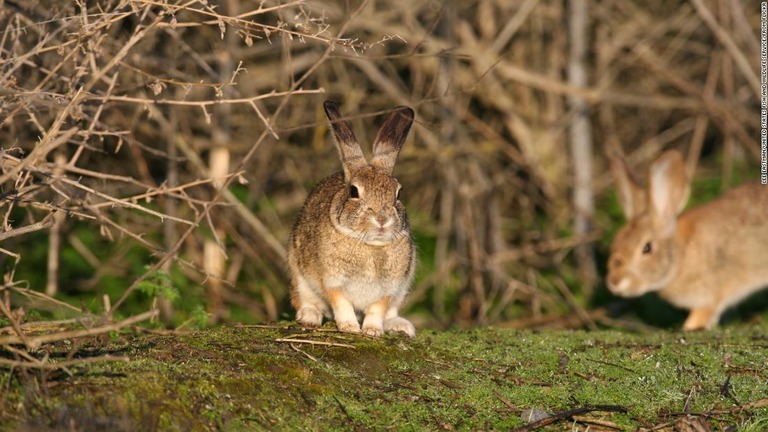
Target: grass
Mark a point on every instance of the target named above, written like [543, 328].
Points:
[245, 378]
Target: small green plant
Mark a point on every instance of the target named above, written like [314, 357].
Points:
[159, 284]
[199, 317]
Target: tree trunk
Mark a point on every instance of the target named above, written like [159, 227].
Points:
[581, 142]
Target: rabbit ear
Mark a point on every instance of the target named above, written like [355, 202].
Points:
[391, 138]
[631, 194]
[349, 149]
[668, 189]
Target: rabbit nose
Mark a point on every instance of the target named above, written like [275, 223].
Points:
[382, 220]
[616, 262]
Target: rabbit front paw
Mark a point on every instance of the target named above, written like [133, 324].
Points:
[309, 316]
[373, 331]
[348, 326]
[399, 324]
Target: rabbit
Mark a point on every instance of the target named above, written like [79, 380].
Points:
[705, 259]
[351, 250]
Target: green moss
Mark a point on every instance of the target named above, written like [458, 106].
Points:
[245, 379]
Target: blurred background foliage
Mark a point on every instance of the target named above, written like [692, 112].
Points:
[155, 153]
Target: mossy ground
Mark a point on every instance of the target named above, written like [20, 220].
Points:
[246, 378]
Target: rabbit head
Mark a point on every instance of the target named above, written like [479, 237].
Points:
[369, 207]
[643, 253]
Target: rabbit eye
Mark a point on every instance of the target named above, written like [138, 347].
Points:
[353, 192]
[647, 248]
[397, 196]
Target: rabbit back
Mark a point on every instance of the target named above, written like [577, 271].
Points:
[723, 252]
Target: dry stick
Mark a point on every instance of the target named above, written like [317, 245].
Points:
[75, 157]
[597, 422]
[60, 365]
[31, 294]
[60, 64]
[16, 256]
[259, 11]
[237, 20]
[54, 238]
[46, 223]
[35, 341]
[473, 303]
[568, 414]
[309, 356]
[5, 309]
[125, 203]
[152, 191]
[550, 85]
[311, 342]
[574, 304]
[702, 120]
[257, 225]
[760, 403]
[137, 36]
[48, 143]
[723, 112]
[21, 60]
[729, 147]
[152, 247]
[203, 103]
[24, 354]
[44, 325]
[730, 46]
[742, 26]
[544, 247]
[512, 26]
[224, 190]
[138, 237]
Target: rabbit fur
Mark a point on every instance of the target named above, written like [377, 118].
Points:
[350, 250]
[705, 259]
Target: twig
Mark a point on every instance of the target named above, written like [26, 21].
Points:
[123, 202]
[760, 403]
[60, 365]
[730, 46]
[35, 341]
[309, 356]
[556, 417]
[311, 342]
[505, 401]
[205, 103]
[32, 294]
[45, 325]
[597, 422]
[46, 145]
[46, 223]
[15, 325]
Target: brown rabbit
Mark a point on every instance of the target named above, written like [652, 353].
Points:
[706, 259]
[351, 249]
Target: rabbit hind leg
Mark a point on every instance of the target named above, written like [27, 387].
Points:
[309, 306]
[701, 319]
[373, 324]
[395, 323]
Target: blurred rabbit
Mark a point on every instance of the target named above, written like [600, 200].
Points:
[706, 259]
[351, 249]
